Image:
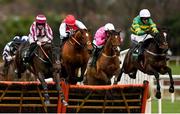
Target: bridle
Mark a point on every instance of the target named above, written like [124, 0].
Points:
[78, 42]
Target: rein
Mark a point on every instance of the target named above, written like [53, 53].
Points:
[44, 54]
[154, 54]
[82, 46]
[75, 41]
[108, 55]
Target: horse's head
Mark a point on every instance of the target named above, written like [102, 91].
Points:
[84, 39]
[161, 39]
[114, 39]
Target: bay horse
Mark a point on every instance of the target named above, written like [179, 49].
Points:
[153, 61]
[75, 55]
[108, 63]
[42, 65]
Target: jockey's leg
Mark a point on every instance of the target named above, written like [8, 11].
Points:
[62, 41]
[140, 51]
[29, 51]
[95, 55]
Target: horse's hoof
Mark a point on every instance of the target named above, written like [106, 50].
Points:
[158, 95]
[171, 89]
[79, 79]
[131, 75]
[47, 102]
[65, 103]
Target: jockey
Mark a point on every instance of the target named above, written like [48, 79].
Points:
[40, 32]
[9, 51]
[99, 41]
[141, 26]
[68, 25]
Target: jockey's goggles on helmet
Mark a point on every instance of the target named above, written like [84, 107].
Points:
[144, 18]
[40, 23]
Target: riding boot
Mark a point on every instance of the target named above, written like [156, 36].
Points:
[28, 53]
[61, 46]
[140, 51]
[5, 68]
[95, 55]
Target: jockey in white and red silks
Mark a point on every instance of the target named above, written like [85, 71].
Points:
[68, 26]
[40, 32]
[40, 29]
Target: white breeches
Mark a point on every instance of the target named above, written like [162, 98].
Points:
[94, 42]
[138, 39]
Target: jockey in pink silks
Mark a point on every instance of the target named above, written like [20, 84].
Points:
[99, 41]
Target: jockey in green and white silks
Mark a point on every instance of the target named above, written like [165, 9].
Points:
[141, 25]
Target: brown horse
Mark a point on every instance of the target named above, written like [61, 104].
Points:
[108, 62]
[75, 55]
[154, 60]
[42, 64]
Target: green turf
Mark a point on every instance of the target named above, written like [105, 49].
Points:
[167, 106]
[175, 69]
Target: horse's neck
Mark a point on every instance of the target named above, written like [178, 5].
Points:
[153, 47]
[108, 49]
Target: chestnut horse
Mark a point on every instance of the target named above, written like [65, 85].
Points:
[108, 63]
[75, 55]
[42, 64]
[154, 60]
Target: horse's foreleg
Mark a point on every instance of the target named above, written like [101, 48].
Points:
[171, 88]
[133, 74]
[119, 76]
[17, 74]
[44, 85]
[158, 93]
[59, 89]
[83, 69]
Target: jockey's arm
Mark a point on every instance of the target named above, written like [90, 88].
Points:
[80, 25]
[153, 26]
[62, 30]
[49, 32]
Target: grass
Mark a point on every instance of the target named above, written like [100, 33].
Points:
[167, 106]
[175, 69]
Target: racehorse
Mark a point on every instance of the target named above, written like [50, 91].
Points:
[42, 64]
[75, 54]
[108, 62]
[11, 76]
[153, 61]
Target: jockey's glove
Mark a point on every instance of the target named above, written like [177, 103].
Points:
[154, 30]
[39, 43]
[9, 58]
